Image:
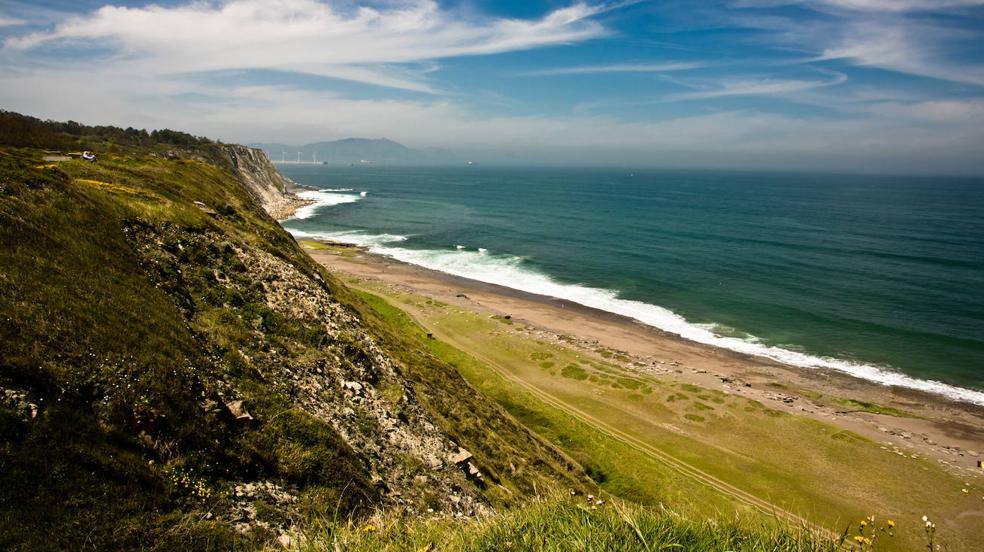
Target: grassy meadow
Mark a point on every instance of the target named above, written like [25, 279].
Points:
[699, 453]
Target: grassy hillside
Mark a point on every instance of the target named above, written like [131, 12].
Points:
[178, 374]
[126, 444]
[133, 320]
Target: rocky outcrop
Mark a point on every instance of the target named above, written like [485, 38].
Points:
[358, 389]
[311, 356]
[258, 175]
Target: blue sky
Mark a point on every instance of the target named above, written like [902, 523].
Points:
[850, 85]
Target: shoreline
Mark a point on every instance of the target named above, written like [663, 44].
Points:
[920, 422]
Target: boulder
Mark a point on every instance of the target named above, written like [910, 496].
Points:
[238, 410]
[461, 456]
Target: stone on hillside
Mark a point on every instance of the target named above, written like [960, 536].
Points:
[461, 456]
[238, 410]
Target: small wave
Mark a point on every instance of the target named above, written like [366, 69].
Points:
[508, 271]
[482, 250]
[335, 190]
[363, 194]
[321, 199]
[459, 247]
[354, 237]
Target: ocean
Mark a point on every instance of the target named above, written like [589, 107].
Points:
[881, 277]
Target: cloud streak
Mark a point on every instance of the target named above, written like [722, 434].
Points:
[615, 68]
[892, 6]
[757, 87]
[904, 46]
[905, 36]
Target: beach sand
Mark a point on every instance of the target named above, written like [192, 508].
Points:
[935, 427]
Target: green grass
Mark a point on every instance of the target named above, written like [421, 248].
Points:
[872, 408]
[341, 250]
[574, 372]
[519, 463]
[613, 465]
[556, 524]
[113, 321]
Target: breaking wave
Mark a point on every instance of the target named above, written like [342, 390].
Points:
[510, 271]
[353, 237]
[321, 198]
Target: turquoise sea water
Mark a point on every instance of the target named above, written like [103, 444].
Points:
[879, 276]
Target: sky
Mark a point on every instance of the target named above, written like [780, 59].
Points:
[890, 86]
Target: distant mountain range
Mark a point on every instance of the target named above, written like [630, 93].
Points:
[381, 151]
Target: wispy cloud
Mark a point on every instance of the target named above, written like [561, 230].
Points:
[10, 21]
[900, 5]
[306, 36]
[755, 87]
[915, 48]
[867, 5]
[905, 36]
[615, 68]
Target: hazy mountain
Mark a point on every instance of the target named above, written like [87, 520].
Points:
[381, 151]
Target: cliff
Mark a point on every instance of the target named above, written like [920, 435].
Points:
[257, 174]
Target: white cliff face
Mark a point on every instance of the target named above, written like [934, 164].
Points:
[262, 180]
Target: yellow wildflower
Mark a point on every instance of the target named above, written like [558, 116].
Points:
[891, 523]
[369, 528]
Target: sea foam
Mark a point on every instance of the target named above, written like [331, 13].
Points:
[321, 198]
[354, 237]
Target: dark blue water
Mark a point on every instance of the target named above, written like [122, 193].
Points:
[880, 276]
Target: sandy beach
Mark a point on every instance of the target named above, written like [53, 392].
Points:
[930, 426]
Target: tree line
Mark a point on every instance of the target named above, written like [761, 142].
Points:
[23, 131]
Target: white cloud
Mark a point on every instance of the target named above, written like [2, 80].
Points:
[757, 87]
[904, 46]
[900, 5]
[306, 36]
[10, 21]
[867, 5]
[616, 68]
[895, 35]
[941, 112]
